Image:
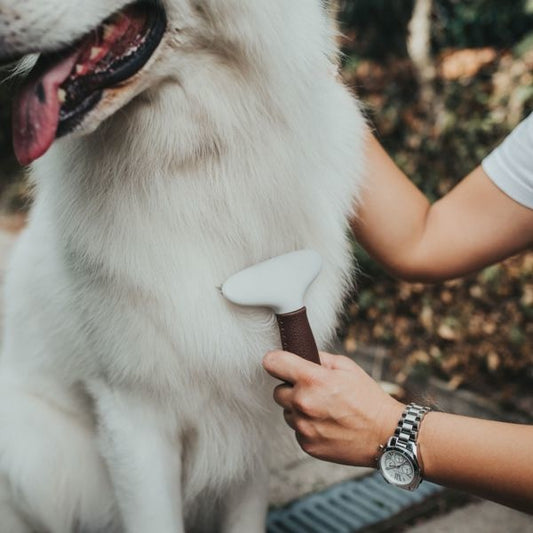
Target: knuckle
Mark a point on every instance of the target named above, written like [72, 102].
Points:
[303, 403]
[346, 361]
[312, 379]
[301, 426]
[305, 428]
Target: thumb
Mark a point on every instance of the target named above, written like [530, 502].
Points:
[288, 366]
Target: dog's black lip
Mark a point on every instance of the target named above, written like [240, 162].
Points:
[70, 120]
[83, 94]
[91, 87]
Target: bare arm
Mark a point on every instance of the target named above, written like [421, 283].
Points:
[490, 459]
[341, 415]
[474, 225]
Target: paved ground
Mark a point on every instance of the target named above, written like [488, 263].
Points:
[484, 517]
[300, 474]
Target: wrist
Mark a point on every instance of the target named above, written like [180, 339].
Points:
[400, 462]
[388, 417]
[425, 436]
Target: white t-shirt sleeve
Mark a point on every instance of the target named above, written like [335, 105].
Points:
[510, 165]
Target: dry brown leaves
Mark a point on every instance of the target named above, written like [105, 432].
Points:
[476, 332]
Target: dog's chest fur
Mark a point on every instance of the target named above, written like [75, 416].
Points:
[146, 244]
[136, 225]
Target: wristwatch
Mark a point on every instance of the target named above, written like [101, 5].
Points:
[398, 462]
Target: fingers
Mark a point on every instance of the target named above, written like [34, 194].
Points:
[289, 367]
[288, 415]
[283, 395]
[298, 402]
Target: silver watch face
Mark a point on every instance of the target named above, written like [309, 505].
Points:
[397, 468]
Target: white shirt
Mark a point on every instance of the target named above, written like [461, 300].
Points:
[510, 165]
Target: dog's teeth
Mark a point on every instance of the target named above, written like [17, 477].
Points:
[62, 96]
[95, 52]
[80, 70]
[109, 30]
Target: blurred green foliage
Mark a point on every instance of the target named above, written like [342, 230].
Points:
[380, 26]
[472, 113]
[476, 23]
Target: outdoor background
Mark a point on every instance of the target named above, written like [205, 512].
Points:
[440, 97]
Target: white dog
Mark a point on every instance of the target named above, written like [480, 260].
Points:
[207, 135]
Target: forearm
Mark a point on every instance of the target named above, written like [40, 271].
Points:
[490, 459]
[473, 226]
[392, 213]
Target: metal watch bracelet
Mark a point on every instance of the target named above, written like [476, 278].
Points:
[399, 462]
[409, 425]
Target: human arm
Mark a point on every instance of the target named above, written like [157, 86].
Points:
[341, 415]
[474, 225]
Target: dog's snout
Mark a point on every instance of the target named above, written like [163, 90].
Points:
[22, 30]
[9, 37]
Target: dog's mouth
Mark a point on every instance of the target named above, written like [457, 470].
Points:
[65, 86]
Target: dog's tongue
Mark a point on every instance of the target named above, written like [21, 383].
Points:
[36, 111]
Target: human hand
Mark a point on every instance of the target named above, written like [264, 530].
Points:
[339, 413]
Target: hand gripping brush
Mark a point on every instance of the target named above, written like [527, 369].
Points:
[280, 284]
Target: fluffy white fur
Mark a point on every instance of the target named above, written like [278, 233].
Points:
[131, 393]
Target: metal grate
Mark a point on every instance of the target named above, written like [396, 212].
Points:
[347, 507]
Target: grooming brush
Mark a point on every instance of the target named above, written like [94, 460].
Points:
[280, 284]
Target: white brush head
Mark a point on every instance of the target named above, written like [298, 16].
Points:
[279, 283]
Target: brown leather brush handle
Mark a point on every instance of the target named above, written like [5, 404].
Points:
[296, 335]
